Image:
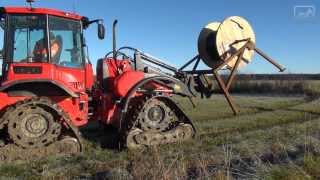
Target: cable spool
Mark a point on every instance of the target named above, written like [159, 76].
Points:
[219, 41]
[228, 45]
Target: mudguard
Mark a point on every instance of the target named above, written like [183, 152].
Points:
[68, 91]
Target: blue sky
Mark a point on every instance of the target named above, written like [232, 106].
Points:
[169, 29]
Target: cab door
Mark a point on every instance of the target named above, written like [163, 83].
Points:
[66, 51]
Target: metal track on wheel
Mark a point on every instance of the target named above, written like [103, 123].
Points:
[136, 135]
[137, 138]
[66, 143]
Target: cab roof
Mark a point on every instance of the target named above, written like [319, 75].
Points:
[28, 10]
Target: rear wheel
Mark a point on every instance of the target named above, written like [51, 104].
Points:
[32, 126]
[36, 128]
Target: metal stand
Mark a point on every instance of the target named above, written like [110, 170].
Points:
[226, 86]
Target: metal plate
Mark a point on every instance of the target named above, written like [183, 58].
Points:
[27, 69]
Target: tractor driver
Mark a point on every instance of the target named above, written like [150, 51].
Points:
[40, 52]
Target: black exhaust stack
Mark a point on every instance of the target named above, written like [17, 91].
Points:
[114, 41]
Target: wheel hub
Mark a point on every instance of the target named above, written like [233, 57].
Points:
[156, 113]
[35, 125]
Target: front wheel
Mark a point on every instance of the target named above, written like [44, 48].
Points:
[155, 120]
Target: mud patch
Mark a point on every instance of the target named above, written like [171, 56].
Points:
[67, 145]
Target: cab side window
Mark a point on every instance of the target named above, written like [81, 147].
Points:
[67, 36]
[33, 38]
[28, 37]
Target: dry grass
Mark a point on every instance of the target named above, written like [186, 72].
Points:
[274, 137]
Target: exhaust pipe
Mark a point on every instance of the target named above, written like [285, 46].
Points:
[114, 41]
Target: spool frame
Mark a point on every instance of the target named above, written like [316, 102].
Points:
[225, 85]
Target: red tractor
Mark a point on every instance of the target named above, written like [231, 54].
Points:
[47, 83]
[48, 88]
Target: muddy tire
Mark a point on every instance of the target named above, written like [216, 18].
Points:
[5, 115]
[33, 124]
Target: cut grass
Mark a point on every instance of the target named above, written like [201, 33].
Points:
[286, 172]
[266, 125]
[311, 165]
[217, 107]
[250, 122]
[311, 107]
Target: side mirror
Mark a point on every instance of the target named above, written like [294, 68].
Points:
[101, 30]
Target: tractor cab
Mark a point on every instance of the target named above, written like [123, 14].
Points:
[45, 45]
[37, 38]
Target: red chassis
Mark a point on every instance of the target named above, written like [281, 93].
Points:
[74, 85]
[65, 86]
[69, 87]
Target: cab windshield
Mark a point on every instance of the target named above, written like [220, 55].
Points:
[28, 39]
[67, 34]
[31, 39]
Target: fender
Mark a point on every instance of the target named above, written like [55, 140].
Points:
[62, 87]
[126, 100]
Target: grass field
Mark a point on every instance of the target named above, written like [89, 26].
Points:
[274, 137]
